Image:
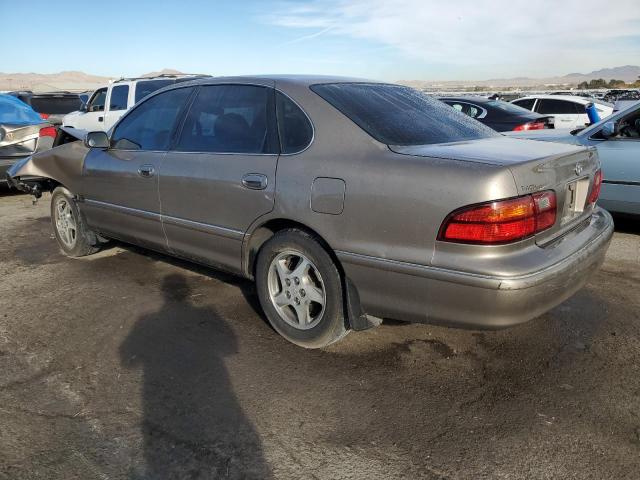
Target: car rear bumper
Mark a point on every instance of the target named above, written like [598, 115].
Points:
[419, 293]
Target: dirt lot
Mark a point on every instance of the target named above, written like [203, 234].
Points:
[131, 365]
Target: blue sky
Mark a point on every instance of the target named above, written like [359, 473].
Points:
[386, 39]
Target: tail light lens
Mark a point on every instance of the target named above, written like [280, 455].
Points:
[530, 126]
[44, 116]
[48, 132]
[501, 221]
[595, 188]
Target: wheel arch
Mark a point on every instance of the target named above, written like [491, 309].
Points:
[354, 314]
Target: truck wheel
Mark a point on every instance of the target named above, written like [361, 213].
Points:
[300, 289]
[74, 238]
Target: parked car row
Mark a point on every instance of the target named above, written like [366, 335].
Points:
[347, 201]
[499, 115]
[108, 103]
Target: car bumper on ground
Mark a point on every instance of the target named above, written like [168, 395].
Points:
[419, 293]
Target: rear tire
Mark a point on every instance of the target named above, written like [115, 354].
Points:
[300, 289]
[74, 237]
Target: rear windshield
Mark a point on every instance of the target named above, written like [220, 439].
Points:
[398, 115]
[56, 105]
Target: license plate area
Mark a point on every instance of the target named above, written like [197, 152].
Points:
[575, 199]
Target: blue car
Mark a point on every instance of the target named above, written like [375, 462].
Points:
[617, 139]
[22, 132]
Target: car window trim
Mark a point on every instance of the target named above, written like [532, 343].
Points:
[146, 99]
[192, 99]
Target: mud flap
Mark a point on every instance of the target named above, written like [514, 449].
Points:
[358, 320]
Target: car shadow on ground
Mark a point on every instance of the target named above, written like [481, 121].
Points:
[192, 422]
[626, 223]
[246, 286]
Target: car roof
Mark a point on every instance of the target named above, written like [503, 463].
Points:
[301, 80]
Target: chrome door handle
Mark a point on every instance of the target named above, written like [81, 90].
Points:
[255, 181]
[146, 171]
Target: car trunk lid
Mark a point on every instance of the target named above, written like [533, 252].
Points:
[568, 170]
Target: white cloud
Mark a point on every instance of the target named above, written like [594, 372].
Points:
[516, 36]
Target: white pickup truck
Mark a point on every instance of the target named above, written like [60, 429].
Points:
[108, 103]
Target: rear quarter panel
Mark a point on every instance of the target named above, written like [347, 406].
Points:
[394, 204]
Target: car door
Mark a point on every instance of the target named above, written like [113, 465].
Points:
[220, 175]
[121, 183]
[117, 101]
[93, 116]
[564, 112]
[620, 158]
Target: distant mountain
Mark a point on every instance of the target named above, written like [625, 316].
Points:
[628, 73]
[71, 80]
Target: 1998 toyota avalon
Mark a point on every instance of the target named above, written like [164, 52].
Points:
[347, 201]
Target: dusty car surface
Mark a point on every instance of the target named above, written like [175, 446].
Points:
[347, 201]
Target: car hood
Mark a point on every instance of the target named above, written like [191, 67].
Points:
[500, 150]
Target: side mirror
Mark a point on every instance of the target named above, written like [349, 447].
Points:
[609, 129]
[84, 107]
[96, 140]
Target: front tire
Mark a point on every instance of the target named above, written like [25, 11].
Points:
[300, 289]
[71, 231]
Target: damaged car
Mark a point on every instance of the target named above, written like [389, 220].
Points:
[346, 201]
[22, 132]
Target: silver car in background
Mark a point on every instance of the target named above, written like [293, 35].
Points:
[617, 139]
[347, 201]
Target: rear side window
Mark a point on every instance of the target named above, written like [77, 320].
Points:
[145, 87]
[527, 103]
[149, 125]
[551, 106]
[230, 119]
[119, 97]
[398, 115]
[294, 127]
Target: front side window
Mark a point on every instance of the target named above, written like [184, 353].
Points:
[149, 125]
[549, 106]
[230, 119]
[526, 103]
[471, 110]
[96, 104]
[398, 115]
[294, 127]
[119, 97]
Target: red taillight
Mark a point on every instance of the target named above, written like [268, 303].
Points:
[595, 188]
[44, 116]
[530, 126]
[48, 132]
[502, 221]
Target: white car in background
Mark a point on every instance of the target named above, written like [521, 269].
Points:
[567, 110]
[107, 104]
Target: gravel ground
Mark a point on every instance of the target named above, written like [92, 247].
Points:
[132, 365]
